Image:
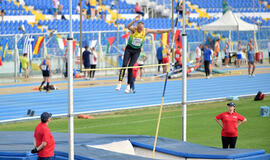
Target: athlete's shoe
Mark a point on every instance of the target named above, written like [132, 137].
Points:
[253, 75]
[40, 89]
[127, 90]
[48, 91]
[118, 87]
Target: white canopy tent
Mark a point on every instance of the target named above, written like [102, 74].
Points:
[229, 22]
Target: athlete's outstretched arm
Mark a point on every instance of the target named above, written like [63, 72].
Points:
[158, 31]
[130, 27]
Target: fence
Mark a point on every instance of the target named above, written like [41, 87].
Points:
[14, 45]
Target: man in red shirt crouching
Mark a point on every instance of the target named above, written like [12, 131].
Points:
[43, 139]
[230, 122]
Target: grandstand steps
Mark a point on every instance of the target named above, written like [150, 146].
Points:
[38, 15]
[201, 12]
[266, 4]
[112, 13]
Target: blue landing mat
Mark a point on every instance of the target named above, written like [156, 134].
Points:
[11, 145]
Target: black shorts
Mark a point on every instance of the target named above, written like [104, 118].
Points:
[250, 62]
[46, 73]
[86, 66]
[181, 13]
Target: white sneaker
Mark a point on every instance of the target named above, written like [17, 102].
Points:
[118, 87]
[127, 90]
[249, 75]
[253, 75]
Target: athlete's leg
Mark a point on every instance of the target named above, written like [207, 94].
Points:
[125, 63]
[253, 69]
[133, 59]
[48, 83]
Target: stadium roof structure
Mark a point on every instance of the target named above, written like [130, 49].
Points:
[229, 22]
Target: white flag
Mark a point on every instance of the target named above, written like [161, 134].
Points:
[28, 47]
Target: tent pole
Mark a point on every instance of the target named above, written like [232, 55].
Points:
[230, 39]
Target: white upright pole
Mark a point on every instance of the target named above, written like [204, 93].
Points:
[44, 47]
[70, 86]
[230, 40]
[117, 20]
[184, 79]
[15, 57]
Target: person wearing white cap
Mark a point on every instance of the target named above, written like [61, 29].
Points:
[229, 122]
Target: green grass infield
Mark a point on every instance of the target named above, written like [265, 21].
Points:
[201, 125]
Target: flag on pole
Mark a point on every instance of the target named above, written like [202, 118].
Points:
[154, 35]
[110, 42]
[165, 38]
[125, 36]
[225, 6]
[4, 49]
[28, 47]
[61, 42]
[38, 44]
[73, 47]
[177, 38]
[93, 43]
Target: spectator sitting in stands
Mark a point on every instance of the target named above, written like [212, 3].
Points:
[91, 8]
[102, 14]
[21, 2]
[2, 14]
[112, 5]
[179, 8]
[57, 9]
[138, 9]
[78, 10]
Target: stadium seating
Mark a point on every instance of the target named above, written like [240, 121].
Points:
[13, 10]
[218, 3]
[212, 6]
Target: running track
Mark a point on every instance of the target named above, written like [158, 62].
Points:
[96, 99]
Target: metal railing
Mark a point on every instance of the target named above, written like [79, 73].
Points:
[11, 65]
